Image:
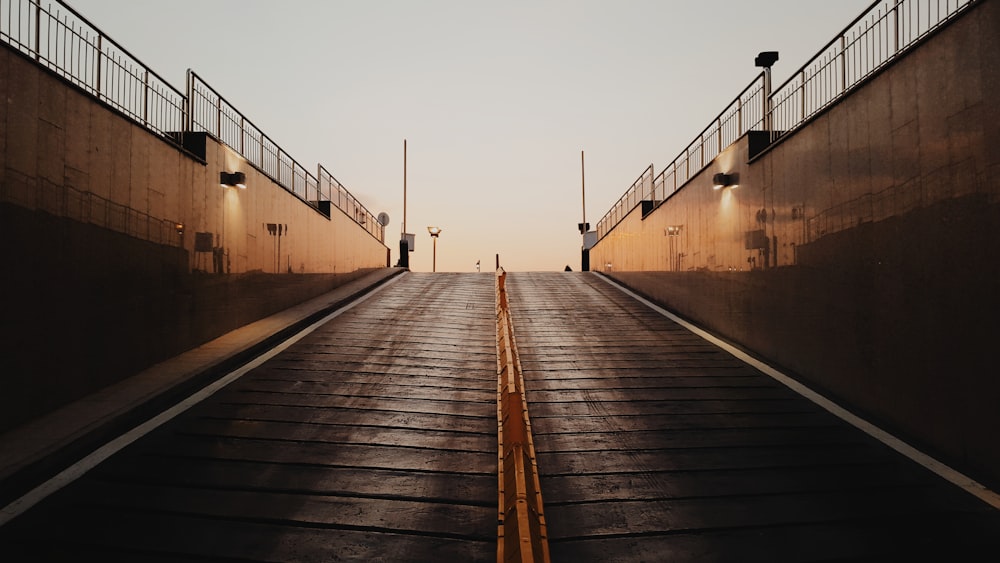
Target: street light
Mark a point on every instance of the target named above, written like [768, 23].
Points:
[434, 231]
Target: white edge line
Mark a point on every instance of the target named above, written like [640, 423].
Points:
[78, 469]
[959, 479]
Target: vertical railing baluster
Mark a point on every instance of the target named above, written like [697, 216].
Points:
[718, 132]
[802, 79]
[38, 30]
[843, 64]
[218, 116]
[100, 57]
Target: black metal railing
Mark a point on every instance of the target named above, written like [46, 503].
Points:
[63, 41]
[882, 33]
[874, 39]
[741, 115]
[343, 200]
[211, 113]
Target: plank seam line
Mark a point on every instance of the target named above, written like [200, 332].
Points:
[78, 469]
[937, 467]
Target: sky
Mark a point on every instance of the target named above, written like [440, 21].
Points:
[496, 100]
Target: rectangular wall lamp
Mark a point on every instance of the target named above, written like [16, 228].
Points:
[721, 180]
[238, 179]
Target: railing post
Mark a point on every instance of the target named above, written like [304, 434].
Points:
[652, 181]
[895, 25]
[802, 87]
[100, 57]
[38, 30]
[739, 116]
[319, 183]
[145, 98]
[718, 133]
[189, 104]
[766, 103]
[242, 134]
[843, 64]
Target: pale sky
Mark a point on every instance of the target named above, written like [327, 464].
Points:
[496, 99]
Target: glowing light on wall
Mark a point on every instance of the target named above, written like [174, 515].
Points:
[237, 179]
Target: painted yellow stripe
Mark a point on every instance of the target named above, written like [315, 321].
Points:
[521, 532]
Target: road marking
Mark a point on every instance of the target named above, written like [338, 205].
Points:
[78, 469]
[968, 484]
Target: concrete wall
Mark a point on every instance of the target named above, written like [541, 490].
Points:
[97, 283]
[861, 253]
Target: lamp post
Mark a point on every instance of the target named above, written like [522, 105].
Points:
[434, 231]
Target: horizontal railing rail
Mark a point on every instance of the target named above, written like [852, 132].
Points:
[63, 41]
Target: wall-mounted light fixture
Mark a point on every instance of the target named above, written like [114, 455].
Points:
[179, 227]
[721, 180]
[673, 230]
[238, 179]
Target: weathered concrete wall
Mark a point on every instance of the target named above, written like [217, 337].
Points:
[860, 253]
[98, 284]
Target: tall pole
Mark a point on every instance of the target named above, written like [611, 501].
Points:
[404, 245]
[584, 227]
[434, 264]
[583, 190]
[404, 186]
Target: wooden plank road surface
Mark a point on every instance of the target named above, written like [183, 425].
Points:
[372, 439]
[654, 445]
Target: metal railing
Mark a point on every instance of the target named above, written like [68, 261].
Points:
[741, 115]
[63, 41]
[886, 30]
[212, 113]
[874, 39]
[633, 195]
[343, 200]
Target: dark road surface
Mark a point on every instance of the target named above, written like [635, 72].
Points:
[655, 445]
[374, 438]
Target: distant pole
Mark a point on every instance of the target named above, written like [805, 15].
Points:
[404, 246]
[583, 191]
[404, 186]
[584, 227]
[435, 233]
